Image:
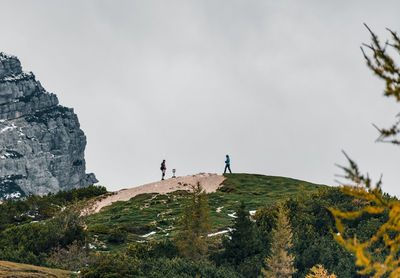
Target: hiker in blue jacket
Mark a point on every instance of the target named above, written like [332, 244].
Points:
[227, 164]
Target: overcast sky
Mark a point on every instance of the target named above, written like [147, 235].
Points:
[281, 86]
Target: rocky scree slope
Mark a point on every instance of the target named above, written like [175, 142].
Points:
[41, 143]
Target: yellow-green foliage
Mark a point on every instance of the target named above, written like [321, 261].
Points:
[319, 271]
[195, 223]
[280, 262]
[389, 232]
[74, 256]
[366, 251]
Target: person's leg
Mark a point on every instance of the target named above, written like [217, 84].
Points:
[226, 166]
[229, 167]
[163, 174]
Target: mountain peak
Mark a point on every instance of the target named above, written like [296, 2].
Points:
[41, 143]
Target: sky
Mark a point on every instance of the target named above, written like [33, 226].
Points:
[280, 86]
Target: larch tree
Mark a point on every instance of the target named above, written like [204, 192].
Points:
[386, 68]
[194, 225]
[280, 262]
[380, 61]
[319, 271]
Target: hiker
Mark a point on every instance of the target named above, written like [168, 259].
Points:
[163, 168]
[227, 164]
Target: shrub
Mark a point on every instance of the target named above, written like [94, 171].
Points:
[117, 235]
[73, 257]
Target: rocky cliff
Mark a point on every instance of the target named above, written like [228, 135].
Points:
[41, 143]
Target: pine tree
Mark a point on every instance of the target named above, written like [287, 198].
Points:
[243, 240]
[319, 271]
[194, 226]
[280, 263]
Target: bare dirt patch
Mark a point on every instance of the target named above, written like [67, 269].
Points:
[209, 182]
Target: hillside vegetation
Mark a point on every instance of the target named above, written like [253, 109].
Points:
[141, 237]
[158, 213]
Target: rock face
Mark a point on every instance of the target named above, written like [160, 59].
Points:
[41, 144]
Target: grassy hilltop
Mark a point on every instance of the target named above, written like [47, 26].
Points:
[158, 213]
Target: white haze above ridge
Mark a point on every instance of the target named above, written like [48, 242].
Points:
[280, 86]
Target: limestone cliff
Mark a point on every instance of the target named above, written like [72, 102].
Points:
[41, 143]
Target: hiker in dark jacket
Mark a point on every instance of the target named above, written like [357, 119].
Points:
[228, 164]
[163, 168]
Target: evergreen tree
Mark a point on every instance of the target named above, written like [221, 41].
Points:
[244, 239]
[280, 263]
[195, 224]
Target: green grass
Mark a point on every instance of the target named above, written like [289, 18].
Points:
[256, 191]
[155, 212]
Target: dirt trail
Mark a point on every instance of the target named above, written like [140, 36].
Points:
[209, 182]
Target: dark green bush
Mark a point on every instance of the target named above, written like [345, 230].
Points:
[99, 229]
[32, 242]
[153, 249]
[122, 265]
[37, 208]
[138, 229]
[117, 235]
